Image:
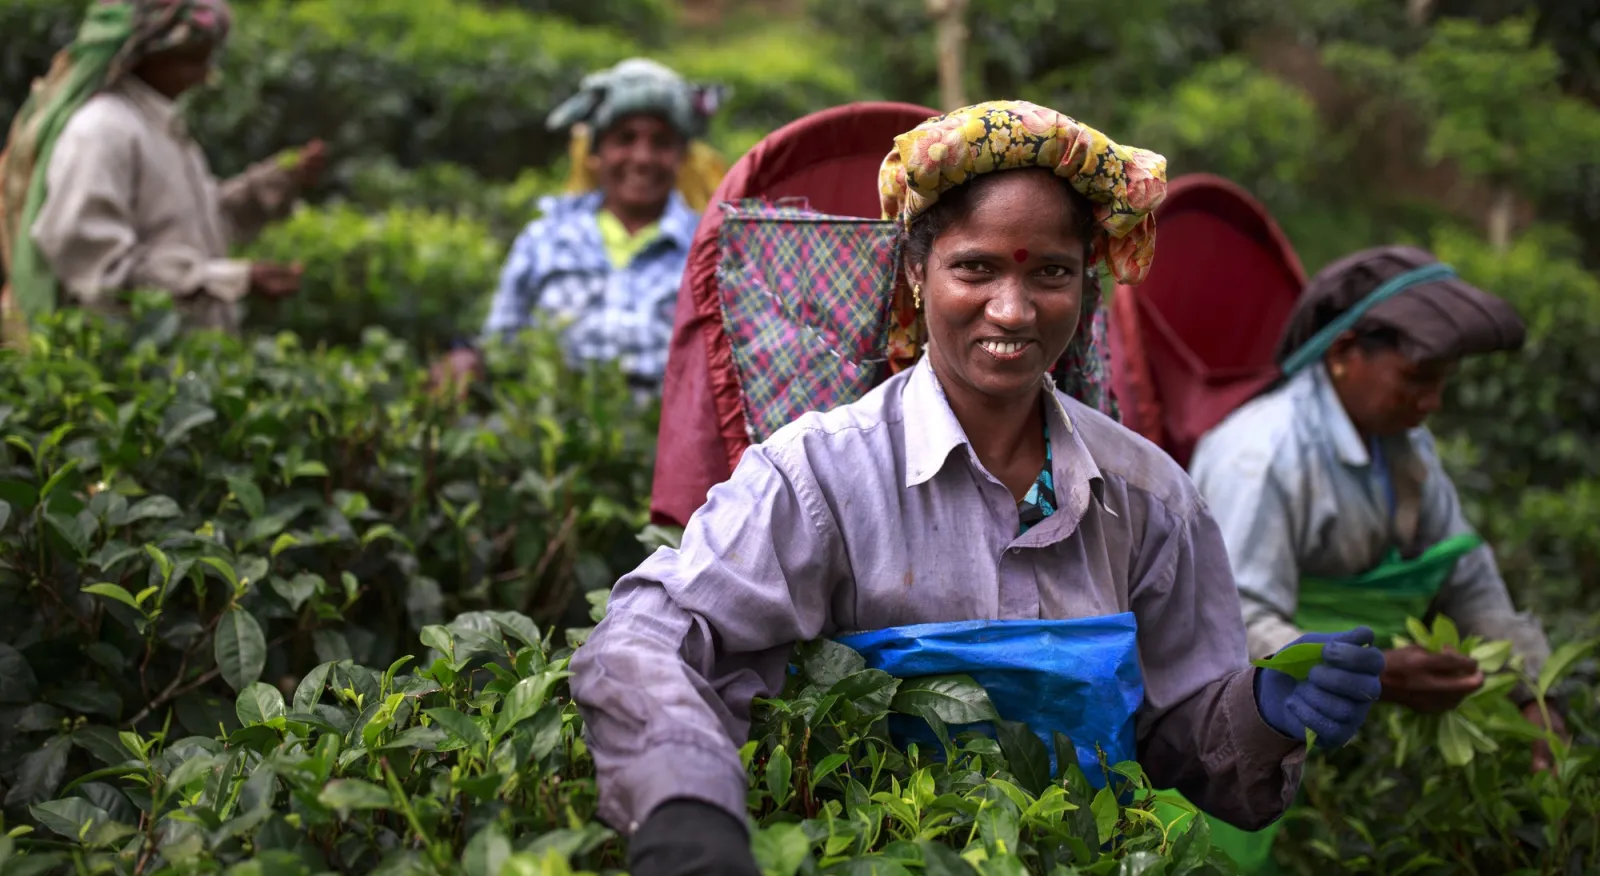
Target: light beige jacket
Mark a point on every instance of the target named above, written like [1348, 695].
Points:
[132, 204]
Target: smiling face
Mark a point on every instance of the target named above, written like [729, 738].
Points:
[636, 162]
[1002, 285]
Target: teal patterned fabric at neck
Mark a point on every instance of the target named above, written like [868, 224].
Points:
[1040, 502]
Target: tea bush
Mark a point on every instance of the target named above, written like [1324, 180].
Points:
[379, 184]
[423, 277]
[178, 510]
[470, 759]
[428, 81]
[1454, 793]
[1519, 426]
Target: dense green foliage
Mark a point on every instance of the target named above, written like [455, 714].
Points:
[1455, 792]
[423, 81]
[471, 760]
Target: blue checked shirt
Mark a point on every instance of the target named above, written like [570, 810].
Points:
[558, 274]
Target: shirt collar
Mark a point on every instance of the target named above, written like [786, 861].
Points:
[159, 108]
[932, 432]
[1347, 443]
[678, 221]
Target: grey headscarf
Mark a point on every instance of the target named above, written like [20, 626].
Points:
[1441, 320]
[639, 85]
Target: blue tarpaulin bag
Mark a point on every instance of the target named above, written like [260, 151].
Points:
[1079, 677]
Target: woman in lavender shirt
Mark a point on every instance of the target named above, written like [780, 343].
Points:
[964, 494]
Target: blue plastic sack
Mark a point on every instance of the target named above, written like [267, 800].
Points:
[1079, 677]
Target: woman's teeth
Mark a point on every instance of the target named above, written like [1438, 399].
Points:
[1003, 348]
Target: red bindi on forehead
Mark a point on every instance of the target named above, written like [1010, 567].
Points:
[1020, 255]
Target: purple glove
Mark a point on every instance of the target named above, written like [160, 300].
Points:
[1334, 700]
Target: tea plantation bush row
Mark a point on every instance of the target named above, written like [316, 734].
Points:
[425, 81]
[204, 540]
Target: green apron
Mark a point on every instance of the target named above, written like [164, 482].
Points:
[1381, 599]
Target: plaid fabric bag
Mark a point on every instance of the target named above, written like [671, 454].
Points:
[805, 305]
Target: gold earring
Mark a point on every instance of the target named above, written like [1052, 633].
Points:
[916, 295]
[1337, 371]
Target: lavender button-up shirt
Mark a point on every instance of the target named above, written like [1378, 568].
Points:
[879, 514]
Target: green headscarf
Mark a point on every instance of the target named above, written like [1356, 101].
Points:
[114, 37]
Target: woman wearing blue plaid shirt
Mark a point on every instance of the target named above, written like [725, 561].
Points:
[602, 263]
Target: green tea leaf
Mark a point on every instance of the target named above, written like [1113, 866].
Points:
[458, 725]
[438, 638]
[1420, 634]
[1455, 743]
[241, 649]
[827, 765]
[309, 691]
[150, 508]
[116, 592]
[956, 699]
[525, 699]
[182, 418]
[1445, 633]
[825, 662]
[939, 859]
[1106, 812]
[1295, 661]
[780, 850]
[297, 590]
[71, 817]
[192, 769]
[486, 852]
[1560, 661]
[56, 478]
[259, 703]
[40, 773]
[779, 772]
[248, 495]
[1026, 754]
[871, 690]
[351, 794]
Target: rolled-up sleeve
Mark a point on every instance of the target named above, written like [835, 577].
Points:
[263, 194]
[665, 683]
[1475, 596]
[1200, 731]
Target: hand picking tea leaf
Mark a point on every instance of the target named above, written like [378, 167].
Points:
[1295, 661]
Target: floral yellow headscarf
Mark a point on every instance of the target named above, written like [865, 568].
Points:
[1124, 184]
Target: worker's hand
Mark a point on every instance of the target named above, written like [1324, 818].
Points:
[273, 280]
[454, 373]
[313, 159]
[1425, 681]
[1543, 758]
[690, 838]
[1334, 699]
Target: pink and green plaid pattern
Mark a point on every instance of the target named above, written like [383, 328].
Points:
[805, 304]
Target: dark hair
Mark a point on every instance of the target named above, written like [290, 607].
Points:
[954, 205]
[1378, 339]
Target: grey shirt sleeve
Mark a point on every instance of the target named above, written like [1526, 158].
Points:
[1475, 596]
[1257, 521]
[1200, 731]
[665, 683]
